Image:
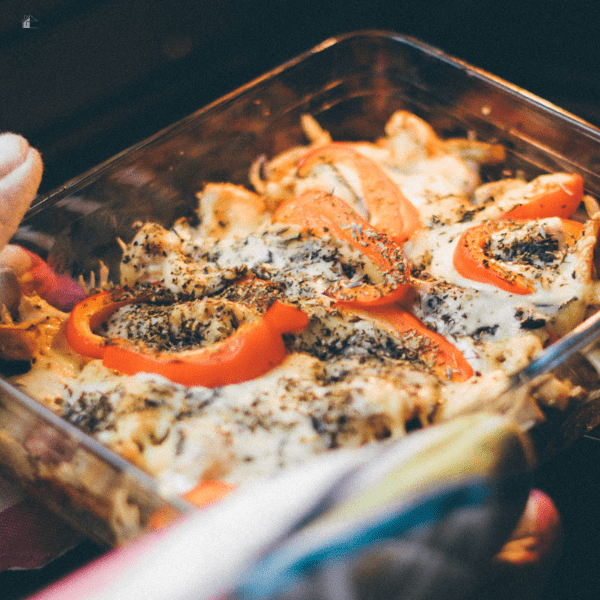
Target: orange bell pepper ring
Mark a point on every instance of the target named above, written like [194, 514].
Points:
[389, 210]
[444, 359]
[252, 350]
[471, 262]
[323, 213]
[552, 195]
[86, 316]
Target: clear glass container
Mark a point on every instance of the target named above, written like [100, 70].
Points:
[351, 84]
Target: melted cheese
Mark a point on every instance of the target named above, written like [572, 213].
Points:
[457, 306]
[299, 409]
[347, 381]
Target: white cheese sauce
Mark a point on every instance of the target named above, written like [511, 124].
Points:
[457, 306]
[238, 432]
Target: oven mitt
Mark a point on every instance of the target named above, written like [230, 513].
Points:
[418, 527]
[432, 558]
[437, 548]
[420, 517]
[31, 536]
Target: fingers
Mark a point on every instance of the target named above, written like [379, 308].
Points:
[13, 151]
[521, 570]
[20, 177]
[536, 535]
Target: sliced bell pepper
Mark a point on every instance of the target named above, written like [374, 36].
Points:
[389, 210]
[255, 347]
[88, 315]
[471, 262]
[445, 359]
[552, 195]
[324, 213]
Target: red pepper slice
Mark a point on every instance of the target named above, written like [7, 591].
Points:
[255, 348]
[88, 315]
[324, 213]
[389, 209]
[553, 195]
[471, 262]
[445, 359]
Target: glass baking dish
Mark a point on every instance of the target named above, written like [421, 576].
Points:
[351, 84]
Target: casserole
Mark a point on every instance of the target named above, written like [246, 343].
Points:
[351, 85]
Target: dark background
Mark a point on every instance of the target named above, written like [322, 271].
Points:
[96, 76]
[93, 77]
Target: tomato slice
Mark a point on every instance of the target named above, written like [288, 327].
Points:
[389, 209]
[324, 213]
[58, 290]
